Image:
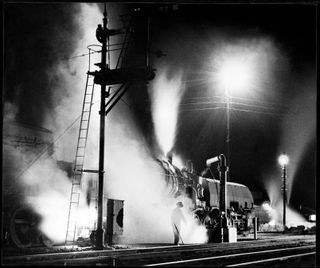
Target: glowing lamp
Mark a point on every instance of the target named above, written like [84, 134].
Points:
[234, 74]
[283, 160]
[312, 217]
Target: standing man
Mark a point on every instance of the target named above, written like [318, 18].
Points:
[176, 218]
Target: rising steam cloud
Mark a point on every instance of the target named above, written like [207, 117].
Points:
[298, 129]
[166, 93]
[46, 188]
[131, 174]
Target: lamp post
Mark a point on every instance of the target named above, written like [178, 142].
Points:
[283, 161]
[234, 75]
[228, 129]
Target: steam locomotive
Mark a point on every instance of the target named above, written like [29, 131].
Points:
[204, 194]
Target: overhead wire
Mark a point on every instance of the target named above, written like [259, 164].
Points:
[47, 148]
[232, 109]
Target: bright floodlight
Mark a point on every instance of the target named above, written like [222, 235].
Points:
[283, 160]
[235, 74]
[237, 68]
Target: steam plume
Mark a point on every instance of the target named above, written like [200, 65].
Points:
[166, 93]
[298, 130]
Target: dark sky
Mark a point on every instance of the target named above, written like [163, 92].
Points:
[185, 35]
[35, 37]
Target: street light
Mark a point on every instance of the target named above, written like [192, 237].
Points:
[283, 161]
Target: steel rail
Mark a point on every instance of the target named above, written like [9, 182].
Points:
[230, 256]
[272, 259]
[141, 253]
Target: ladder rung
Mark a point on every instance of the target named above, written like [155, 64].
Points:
[73, 192]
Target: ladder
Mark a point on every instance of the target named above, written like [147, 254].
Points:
[79, 157]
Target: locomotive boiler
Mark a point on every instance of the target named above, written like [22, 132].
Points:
[204, 195]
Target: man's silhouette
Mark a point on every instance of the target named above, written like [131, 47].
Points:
[176, 218]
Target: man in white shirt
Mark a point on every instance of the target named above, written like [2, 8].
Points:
[176, 218]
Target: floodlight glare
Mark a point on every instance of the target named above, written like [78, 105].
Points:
[283, 160]
[234, 74]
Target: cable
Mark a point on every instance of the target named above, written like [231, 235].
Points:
[233, 97]
[233, 109]
[48, 147]
[252, 111]
[98, 51]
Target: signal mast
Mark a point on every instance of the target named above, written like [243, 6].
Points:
[105, 77]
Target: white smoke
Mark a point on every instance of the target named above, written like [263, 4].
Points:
[275, 208]
[45, 186]
[131, 173]
[293, 218]
[298, 130]
[166, 92]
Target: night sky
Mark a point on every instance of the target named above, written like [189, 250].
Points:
[35, 38]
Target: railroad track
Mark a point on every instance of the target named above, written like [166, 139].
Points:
[244, 259]
[202, 254]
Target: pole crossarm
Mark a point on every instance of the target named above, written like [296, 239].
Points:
[122, 75]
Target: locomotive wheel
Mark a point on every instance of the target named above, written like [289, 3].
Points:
[23, 224]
